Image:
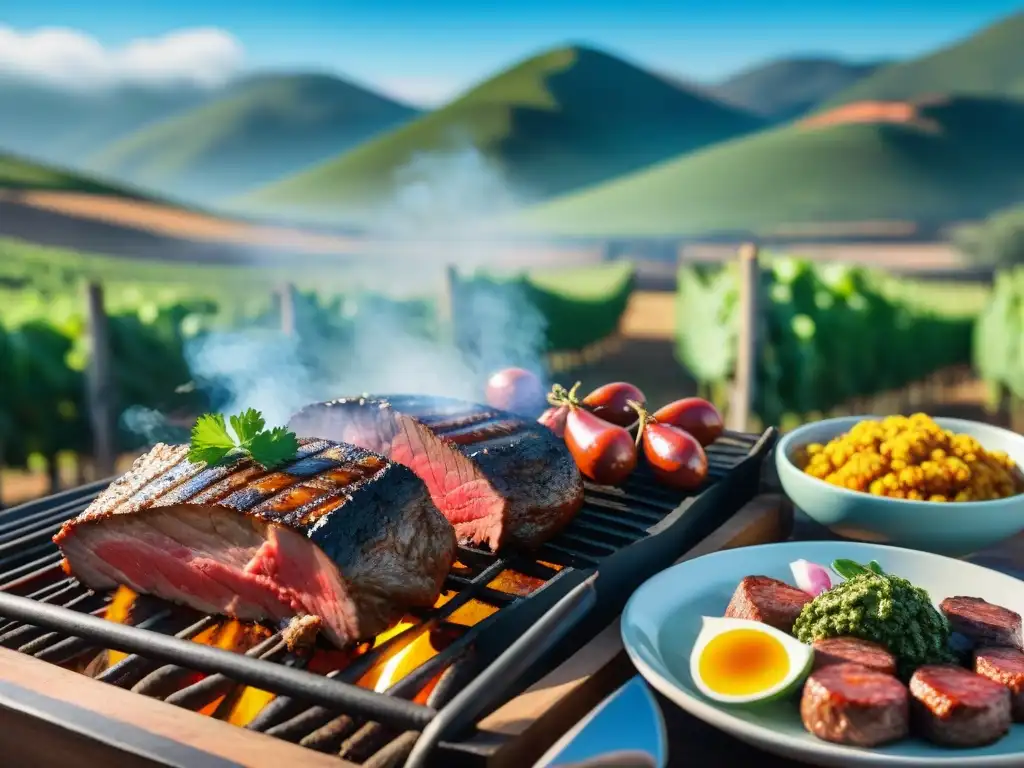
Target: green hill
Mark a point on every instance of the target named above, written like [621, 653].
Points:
[555, 122]
[62, 127]
[19, 174]
[786, 88]
[989, 63]
[258, 131]
[959, 159]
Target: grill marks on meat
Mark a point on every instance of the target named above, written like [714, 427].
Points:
[1006, 667]
[851, 704]
[982, 622]
[853, 650]
[499, 479]
[957, 708]
[768, 600]
[339, 533]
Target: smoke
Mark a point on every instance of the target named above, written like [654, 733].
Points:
[368, 345]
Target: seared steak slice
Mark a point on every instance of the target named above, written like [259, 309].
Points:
[982, 622]
[851, 704]
[498, 478]
[768, 600]
[339, 533]
[1005, 666]
[853, 650]
[957, 708]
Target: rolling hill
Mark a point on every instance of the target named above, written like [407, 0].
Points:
[17, 174]
[933, 162]
[787, 88]
[989, 63]
[258, 131]
[62, 127]
[555, 122]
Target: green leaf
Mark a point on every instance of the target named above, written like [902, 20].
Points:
[874, 566]
[212, 443]
[247, 425]
[273, 448]
[848, 568]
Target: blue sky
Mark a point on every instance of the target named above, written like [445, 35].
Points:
[429, 49]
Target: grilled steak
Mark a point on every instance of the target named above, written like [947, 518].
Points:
[982, 622]
[853, 650]
[773, 602]
[498, 478]
[1005, 666]
[851, 704]
[339, 533]
[954, 707]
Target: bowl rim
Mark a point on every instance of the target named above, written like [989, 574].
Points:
[788, 441]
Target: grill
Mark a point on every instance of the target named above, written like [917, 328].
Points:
[413, 695]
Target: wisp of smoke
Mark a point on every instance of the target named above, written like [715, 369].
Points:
[440, 198]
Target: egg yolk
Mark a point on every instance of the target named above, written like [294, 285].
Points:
[741, 662]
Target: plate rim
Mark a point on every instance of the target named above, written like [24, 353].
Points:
[784, 744]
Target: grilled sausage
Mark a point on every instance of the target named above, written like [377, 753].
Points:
[851, 704]
[853, 650]
[954, 707]
[982, 622]
[770, 601]
[1005, 666]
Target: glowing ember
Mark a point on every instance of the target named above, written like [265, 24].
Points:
[515, 583]
[472, 613]
[119, 611]
[250, 703]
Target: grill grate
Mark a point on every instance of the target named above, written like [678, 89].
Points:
[538, 599]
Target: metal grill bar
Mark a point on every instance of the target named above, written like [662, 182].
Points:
[330, 712]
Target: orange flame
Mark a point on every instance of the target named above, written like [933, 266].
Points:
[239, 637]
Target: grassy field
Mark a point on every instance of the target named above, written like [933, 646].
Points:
[558, 121]
[988, 63]
[947, 161]
[257, 132]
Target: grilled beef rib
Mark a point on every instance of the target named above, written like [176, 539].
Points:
[340, 533]
[498, 478]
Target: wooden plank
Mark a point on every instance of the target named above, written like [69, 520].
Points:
[24, 680]
[746, 343]
[545, 710]
[100, 382]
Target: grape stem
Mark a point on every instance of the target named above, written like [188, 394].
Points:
[560, 396]
[644, 417]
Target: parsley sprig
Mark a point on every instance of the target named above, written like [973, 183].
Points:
[213, 444]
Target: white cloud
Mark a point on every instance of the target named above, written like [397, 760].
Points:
[70, 58]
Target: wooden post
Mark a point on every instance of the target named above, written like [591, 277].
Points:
[448, 306]
[286, 299]
[746, 349]
[100, 382]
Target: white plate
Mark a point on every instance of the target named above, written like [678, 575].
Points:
[663, 617]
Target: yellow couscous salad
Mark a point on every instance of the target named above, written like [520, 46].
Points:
[912, 457]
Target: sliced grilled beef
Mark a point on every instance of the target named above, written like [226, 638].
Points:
[851, 704]
[954, 707]
[498, 478]
[768, 600]
[853, 650]
[339, 533]
[1005, 666]
[982, 622]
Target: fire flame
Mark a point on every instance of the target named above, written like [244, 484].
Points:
[239, 637]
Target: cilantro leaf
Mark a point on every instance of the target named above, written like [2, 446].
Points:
[210, 440]
[212, 443]
[273, 448]
[247, 425]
